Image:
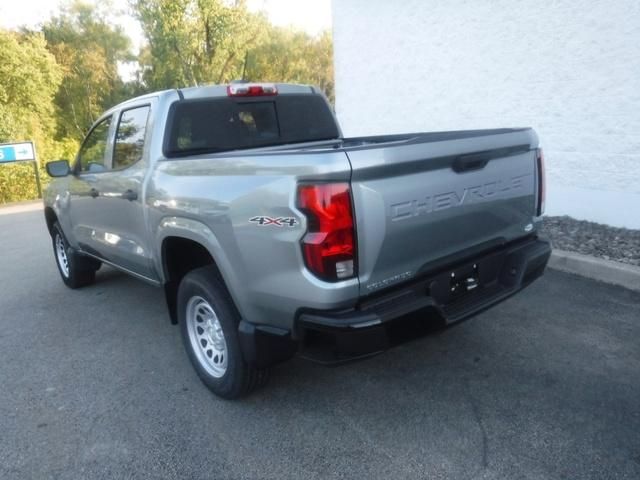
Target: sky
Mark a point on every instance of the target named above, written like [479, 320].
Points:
[311, 16]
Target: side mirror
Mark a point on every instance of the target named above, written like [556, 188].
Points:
[58, 168]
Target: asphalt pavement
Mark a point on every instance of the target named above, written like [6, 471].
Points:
[95, 383]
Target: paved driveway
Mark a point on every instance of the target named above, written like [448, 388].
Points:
[95, 384]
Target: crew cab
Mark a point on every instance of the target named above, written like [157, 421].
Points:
[273, 235]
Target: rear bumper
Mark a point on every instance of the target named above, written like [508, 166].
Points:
[335, 336]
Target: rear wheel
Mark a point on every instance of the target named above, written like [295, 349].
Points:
[209, 328]
[75, 270]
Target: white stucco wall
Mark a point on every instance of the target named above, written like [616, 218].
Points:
[568, 68]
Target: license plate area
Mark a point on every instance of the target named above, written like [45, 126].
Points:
[466, 279]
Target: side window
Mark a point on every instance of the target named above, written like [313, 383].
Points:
[92, 153]
[130, 137]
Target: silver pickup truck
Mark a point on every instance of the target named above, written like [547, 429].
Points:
[272, 235]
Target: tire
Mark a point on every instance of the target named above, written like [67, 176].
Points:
[209, 328]
[75, 270]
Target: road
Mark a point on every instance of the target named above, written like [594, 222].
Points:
[95, 384]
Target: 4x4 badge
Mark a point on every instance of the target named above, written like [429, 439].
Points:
[278, 222]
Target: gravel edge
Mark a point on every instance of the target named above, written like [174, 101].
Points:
[593, 239]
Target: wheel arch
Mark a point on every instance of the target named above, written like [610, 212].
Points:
[184, 245]
[51, 218]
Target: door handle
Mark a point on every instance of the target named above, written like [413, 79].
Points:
[130, 195]
[94, 193]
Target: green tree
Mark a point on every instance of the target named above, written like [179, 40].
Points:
[29, 79]
[88, 47]
[194, 42]
[293, 56]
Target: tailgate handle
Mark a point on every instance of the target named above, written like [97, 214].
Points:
[473, 161]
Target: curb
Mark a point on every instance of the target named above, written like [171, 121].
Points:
[20, 207]
[607, 271]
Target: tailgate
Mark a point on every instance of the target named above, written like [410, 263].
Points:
[423, 203]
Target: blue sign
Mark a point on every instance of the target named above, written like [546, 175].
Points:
[17, 152]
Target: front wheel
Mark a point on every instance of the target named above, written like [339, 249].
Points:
[209, 328]
[76, 271]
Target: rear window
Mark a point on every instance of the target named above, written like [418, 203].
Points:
[223, 124]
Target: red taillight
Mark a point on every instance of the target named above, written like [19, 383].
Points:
[251, 90]
[542, 188]
[329, 245]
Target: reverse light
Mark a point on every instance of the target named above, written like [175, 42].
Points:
[251, 89]
[542, 181]
[329, 245]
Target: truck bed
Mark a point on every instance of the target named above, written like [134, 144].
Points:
[422, 137]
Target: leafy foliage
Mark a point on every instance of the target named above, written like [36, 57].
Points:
[292, 56]
[193, 42]
[88, 50]
[29, 78]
